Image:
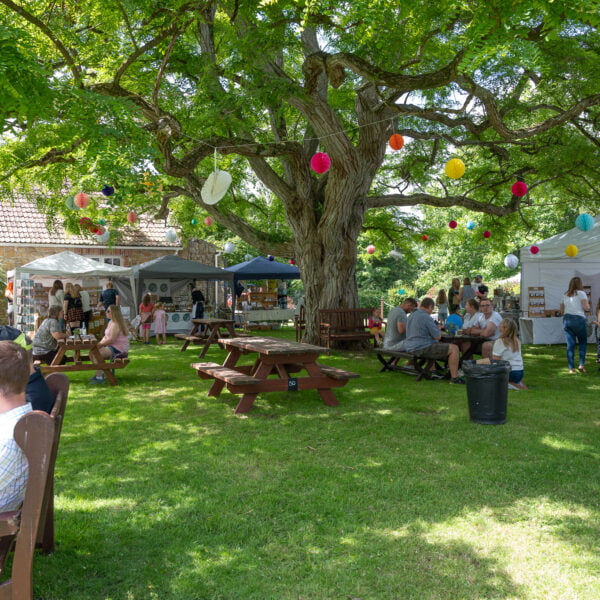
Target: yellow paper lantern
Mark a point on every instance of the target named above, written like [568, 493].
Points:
[455, 168]
[571, 250]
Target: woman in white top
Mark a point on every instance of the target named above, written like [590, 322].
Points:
[573, 307]
[508, 347]
[473, 317]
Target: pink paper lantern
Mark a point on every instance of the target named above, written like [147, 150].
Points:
[453, 224]
[320, 162]
[292, 261]
[131, 217]
[81, 200]
[208, 221]
[487, 234]
[534, 249]
[371, 249]
[519, 189]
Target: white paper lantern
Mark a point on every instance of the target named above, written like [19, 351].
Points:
[248, 257]
[215, 186]
[395, 254]
[229, 248]
[104, 237]
[511, 261]
[171, 235]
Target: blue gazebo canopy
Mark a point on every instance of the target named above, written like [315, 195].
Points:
[262, 268]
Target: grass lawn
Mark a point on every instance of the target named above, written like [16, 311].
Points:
[162, 493]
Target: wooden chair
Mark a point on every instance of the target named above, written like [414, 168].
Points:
[300, 323]
[35, 433]
[59, 387]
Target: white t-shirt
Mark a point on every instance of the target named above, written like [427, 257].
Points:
[505, 353]
[573, 304]
[472, 321]
[496, 319]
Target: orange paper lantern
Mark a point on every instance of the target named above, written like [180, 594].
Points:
[396, 141]
[131, 217]
[81, 200]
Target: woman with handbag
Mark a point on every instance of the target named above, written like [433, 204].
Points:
[454, 295]
[145, 309]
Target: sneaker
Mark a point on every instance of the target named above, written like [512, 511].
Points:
[457, 380]
[97, 380]
[513, 387]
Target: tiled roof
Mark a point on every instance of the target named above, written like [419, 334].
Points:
[22, 223]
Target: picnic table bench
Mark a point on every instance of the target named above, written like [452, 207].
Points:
[344, 324]
[213, 330]
[423, 368]
[278, 358]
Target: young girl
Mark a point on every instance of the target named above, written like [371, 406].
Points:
[374, 325]
[160, 323]
[442, 306]
[145, 309]
[508, 347]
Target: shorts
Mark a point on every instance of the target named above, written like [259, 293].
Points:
[437, 351]
[515, 376]
[375, 330]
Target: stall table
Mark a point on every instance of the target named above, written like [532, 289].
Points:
[275, 357]
[548, 330]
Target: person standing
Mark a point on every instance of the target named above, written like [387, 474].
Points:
[85, 304]
[109, 296]
[10, 298]
[466, 292]
[442, 307]
[56, 297]
[145, 310]
[72, 306]
[160, 323]
[573, 306]
[454, 296]
[15, 366]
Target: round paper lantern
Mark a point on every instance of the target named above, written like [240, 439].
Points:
[229, 248]
[511, 261]
[571, 250]
[70, 203]
[471, 225]
[101, 222]
[81, 200]
[519, 189]
[395, 254]
[85, 221]
[131, 217]
[292, 261]
[424, 237]
[455, 168]
[271, 257]
[584, 222]
[194, 221]
[534, 249]
[248, 257]
[370, 249]
[487, 234]
[215, 186]
[401, 292]
[396, 141]
[104, 237]
[320, 162]
[99, 230]
[108, 190]
[171, 235]
[208, 221]
[453, 224]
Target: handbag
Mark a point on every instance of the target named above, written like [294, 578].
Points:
[136, 321]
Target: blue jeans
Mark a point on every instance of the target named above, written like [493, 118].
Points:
[575, 329]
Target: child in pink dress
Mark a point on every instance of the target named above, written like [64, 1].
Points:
[160, 323]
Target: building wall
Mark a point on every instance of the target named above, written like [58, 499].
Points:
[16, 256]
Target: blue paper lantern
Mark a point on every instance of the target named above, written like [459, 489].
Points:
[471, 225]
[108, 190]
[584, 222]
[271, 257]
[401, 292]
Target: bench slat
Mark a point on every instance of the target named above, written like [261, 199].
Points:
[225, 374]
[336, 373]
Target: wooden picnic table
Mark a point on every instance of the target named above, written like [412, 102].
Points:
[213, 329]
[474, 340]
[92, 361]
[280, 358]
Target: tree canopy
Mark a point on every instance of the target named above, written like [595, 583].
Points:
[144, 96]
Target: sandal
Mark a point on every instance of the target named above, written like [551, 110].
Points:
[581, 369]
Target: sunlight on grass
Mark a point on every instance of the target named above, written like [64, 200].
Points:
[572, 445]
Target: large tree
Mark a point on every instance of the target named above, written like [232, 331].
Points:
[510, 87]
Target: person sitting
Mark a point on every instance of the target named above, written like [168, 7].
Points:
[395, 331]
[375, 324]
[508, 347]
[488, 328]
[454, 322]
[14, 373]
[45, 340]
[423, 339]
[115, 341]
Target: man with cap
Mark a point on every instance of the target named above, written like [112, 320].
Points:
[481, 290]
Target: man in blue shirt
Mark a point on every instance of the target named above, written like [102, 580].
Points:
[423, 339]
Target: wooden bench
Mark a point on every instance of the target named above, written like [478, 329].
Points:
[229, 376]
[343, 324]
[423, 368]
[338, 374]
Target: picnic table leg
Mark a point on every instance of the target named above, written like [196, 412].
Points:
[212, 338]
[326, 394]
[247, 400]
[218, 385]
[186, 343]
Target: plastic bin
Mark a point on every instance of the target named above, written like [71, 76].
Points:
[487, 391]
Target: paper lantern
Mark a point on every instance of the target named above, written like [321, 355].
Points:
[320, 162]
[396, 141]
[131, 217]
[171, 235]
[487, 234]
[81, 200]
[70, 203]
[108, 190]
[215, 186]
[471, 225]
[401, 292]
[99, 230]
[194, 221]
[271, 257]
[248, 257]
[395, 254]
[571, 250]
[208, 221]
[455, 168]
[584, 222]
[534, 249]
[424, 237]
[84, 221]
[453, 224]
[292, 261]
[511, 261]
[101, 222]
[370, 249]
[104, 237]
[229, 248]
[519, 189]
